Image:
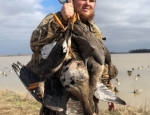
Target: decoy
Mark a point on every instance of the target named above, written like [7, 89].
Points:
[136, 78]
[129, 72]
[116, 90]
[117, 79]
[138, 75]
[137, 91]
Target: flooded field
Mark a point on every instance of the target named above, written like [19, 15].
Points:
[138, 64]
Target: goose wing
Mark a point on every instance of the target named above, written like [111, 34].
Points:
[27, 77]
[103, 93]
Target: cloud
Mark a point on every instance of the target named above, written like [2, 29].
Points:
[125, 23]
[17, 21]
[19, 17]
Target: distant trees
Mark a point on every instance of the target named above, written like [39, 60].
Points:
[140, 51]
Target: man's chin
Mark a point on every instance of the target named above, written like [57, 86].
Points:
[87, 16]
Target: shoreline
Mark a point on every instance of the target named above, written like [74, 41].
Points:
[110, 53]
[15, 55]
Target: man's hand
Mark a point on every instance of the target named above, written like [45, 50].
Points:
[67, 10]
[111, 106]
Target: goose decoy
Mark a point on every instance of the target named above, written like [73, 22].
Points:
[141, 66]
[117, 79]
[136, 78]
[11, 70]
[137, 91]
[138, 75]
[116, 90]
[129, 72]
[118, 83]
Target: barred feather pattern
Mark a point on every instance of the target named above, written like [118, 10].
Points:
[74, 108]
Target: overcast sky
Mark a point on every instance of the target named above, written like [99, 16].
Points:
[125, 23]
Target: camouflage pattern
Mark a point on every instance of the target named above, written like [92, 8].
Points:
[105, 77]
[47, 32]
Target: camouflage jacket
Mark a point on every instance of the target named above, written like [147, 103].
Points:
[47, 32]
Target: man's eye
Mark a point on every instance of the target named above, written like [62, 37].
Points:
[92, 0]
[89, 0]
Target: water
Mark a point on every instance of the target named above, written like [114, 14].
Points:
[123, 62]
[11, 81]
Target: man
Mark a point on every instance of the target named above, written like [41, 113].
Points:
[49, 30]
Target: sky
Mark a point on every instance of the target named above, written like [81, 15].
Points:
[124, 23]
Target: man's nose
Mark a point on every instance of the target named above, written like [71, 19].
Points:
[87, 2]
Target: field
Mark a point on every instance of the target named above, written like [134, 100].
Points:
[15, 103]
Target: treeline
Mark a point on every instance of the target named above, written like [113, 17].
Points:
[140, 51]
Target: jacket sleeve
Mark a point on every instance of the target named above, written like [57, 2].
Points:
[47, 32]
[105, 77]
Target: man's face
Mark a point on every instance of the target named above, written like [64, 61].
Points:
[85, 8]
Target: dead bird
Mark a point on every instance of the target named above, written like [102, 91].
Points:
[88, 46]
[96, 49]
[75, 79]
[58, 55]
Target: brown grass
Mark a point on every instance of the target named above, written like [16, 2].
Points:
[15, 103]
[128, 110]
